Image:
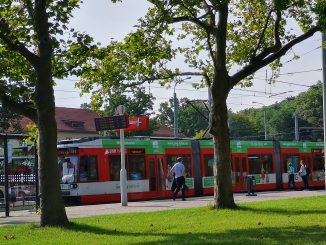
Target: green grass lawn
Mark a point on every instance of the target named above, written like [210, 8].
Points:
[293, 221]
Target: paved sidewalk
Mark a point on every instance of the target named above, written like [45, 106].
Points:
[21, 217]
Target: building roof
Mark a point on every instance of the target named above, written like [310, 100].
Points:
[165, 131]
[82, 121]
[71, 120]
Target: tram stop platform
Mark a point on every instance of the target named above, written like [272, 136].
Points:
[22, 217]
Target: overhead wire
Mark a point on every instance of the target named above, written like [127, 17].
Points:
[263, 93]
[303, 54]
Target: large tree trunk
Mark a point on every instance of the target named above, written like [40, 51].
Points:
[52, 207]
[223, 196]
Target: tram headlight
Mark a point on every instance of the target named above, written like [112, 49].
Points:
[73, 186]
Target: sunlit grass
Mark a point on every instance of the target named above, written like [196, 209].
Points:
[293, 221]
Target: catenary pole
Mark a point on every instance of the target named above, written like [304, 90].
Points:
[6, 162]
[324, 95]
[296, 127]
[265, 123]
[265, 118]
[176, 108]
[175, 105]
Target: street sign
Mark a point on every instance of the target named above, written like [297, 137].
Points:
[137, 123]
[112, 122]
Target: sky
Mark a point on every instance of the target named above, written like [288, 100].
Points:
[104, 20]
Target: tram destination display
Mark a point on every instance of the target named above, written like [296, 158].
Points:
[112, 122]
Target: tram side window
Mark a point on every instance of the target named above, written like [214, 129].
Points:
[136, 170]
[293, 159]
[318, 161]
[186, 160]
[260, 163]
[115, 167]
[88, 170]
[209, 164]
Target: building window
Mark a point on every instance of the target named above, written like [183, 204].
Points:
[74, 124]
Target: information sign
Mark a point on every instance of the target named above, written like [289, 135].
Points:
[137, 123]
[112, 122]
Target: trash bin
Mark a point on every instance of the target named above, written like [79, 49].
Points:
[251, 185]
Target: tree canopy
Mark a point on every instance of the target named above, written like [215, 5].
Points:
[9, 120]
[37, 46]
[307, 107]
[225, 43]
[192, 116]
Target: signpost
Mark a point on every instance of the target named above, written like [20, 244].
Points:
[121, 122]
[123, 173]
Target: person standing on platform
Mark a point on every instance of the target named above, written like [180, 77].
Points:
[179, 171]
[303, 174]
[291, 172]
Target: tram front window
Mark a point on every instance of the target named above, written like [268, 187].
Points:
[67, 168]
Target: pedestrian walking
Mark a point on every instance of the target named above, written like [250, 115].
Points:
[178, 170]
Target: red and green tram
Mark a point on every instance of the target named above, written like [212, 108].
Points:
[90, 167]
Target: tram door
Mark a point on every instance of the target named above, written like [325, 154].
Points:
[156, 174]
[239, 171]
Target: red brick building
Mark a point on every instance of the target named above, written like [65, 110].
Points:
[72, 123]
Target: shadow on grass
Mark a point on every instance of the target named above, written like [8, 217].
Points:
[93, 229]
[289, 235]
[257, 235]
[281, 211]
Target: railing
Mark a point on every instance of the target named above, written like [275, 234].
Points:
[22, 191]
[21, 179]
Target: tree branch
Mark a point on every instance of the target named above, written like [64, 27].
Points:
[262, 34]
[211, 50]
[257, 64]
[26, 109]
[277, 39]
[7, 37]
[212, 25]
[194, 20]
[220, 36]
[29, 6]
[277, 42]
[170, 76]
[209, 10]
[208, 80]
